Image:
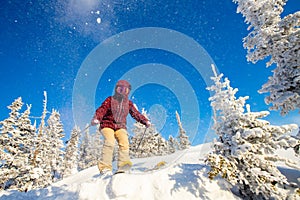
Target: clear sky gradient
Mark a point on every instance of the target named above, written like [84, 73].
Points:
[45, 43]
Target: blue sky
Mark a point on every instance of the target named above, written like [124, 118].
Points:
[44, 44]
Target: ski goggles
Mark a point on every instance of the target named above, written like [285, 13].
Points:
[122, 90]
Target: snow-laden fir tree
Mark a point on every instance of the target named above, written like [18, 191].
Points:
[24, 180]
[147, 142]
[84, 154]
[244, 152]
[8, 131]
[55, 133]
[96, 147]
[42, 171]
[278, 39]
[16, 142]
[173, 144]
[89, 149]
[71, 154]
[183, 138]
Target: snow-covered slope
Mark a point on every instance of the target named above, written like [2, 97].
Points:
[185, 177]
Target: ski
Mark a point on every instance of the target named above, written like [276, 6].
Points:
[119, 172]
[106, 175]
[158, 166]
[126, 169]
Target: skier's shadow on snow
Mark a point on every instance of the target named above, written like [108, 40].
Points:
[139, 167]
[192, 177]
[189, 179]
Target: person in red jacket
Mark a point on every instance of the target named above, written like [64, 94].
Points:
[111, 116]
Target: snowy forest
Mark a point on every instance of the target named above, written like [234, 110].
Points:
[34, 155]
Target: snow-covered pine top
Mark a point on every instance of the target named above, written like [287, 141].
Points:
[275, 37]
[244, 153]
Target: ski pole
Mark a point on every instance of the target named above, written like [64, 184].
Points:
[141, 139]
[66, 142]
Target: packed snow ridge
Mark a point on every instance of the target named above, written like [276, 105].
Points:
[184, 177]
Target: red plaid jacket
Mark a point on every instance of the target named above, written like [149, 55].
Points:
[113, 112]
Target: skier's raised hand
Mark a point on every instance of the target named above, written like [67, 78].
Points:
[148, 124]
[95, 122]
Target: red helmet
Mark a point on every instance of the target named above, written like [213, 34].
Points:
[123, 87]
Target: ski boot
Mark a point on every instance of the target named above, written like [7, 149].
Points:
[105, 173]
[124, 167]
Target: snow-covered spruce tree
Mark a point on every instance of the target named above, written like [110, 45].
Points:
[55, 133]
[8, 131]
[183, 138]
[89, 150]
[244, 152]
[149, 143]
[16, 140]
[136, 140]
[277, 38]
[84, 153]
[72, 155]
[42, 171]
[173, 144]
[24, 180]
[96, 148]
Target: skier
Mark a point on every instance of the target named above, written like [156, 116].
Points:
[111, 116]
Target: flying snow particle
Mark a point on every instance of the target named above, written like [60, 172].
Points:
[98, 20]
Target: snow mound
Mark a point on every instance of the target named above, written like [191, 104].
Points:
[184, 177]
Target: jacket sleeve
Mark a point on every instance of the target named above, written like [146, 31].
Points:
[101, 111]
[135, 114]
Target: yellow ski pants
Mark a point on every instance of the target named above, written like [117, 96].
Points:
[110, 137]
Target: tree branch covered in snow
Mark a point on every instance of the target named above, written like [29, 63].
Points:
[183, 138]
[277, 38]
[16, 145]
[72, 155]
[147, 142]
[30, 158]
[244, 153]
[90, 149]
